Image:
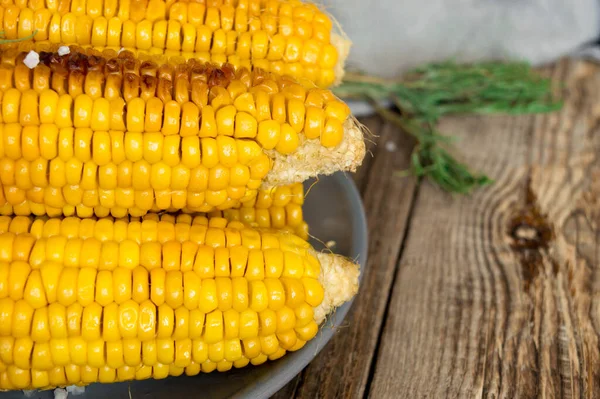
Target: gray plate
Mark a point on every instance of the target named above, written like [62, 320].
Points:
[335, 213]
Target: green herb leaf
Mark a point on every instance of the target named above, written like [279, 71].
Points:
[436, 90]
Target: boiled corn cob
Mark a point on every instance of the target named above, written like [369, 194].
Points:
[82, 134]
[280, 208]
[286, 37]
[85, 300]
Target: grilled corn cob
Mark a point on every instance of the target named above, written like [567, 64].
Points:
[85, 301]
[287, 37]
[82, 134]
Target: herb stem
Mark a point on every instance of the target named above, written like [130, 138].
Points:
[436, 90]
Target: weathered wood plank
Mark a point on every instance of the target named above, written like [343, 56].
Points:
[329, 374]
[498, 294]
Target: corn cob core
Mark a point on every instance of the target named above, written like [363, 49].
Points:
[85, 301]
[85, 135]
[286, 37]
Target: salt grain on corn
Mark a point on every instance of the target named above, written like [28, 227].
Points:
[32, 59]
[63, 50]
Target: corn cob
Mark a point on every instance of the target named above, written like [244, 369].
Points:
[85, 301]
[286, 37]
[280, 208]
[84, 135]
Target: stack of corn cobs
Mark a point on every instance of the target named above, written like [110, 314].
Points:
[152, 154]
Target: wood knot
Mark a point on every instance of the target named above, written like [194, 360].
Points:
[531, 235]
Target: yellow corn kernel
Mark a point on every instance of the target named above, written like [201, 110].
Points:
[332, 133]
[296, 114]
[166, 321]
[196, 323]
[17, 277]
[40, 328]
[269, 132]
[91, 321]
[34, 292]
[288, 141]
[174, 288]
[132, 352]
[246, 125]
[110, 327]
[251, 347]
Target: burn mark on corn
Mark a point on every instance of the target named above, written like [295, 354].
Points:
[530, 234]
[83, 60]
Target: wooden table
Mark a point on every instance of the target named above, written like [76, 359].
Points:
[493, 295]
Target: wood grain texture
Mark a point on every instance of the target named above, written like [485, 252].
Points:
[497, 295]
[341, 370]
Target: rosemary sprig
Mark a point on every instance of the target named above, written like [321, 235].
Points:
[433, 91]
